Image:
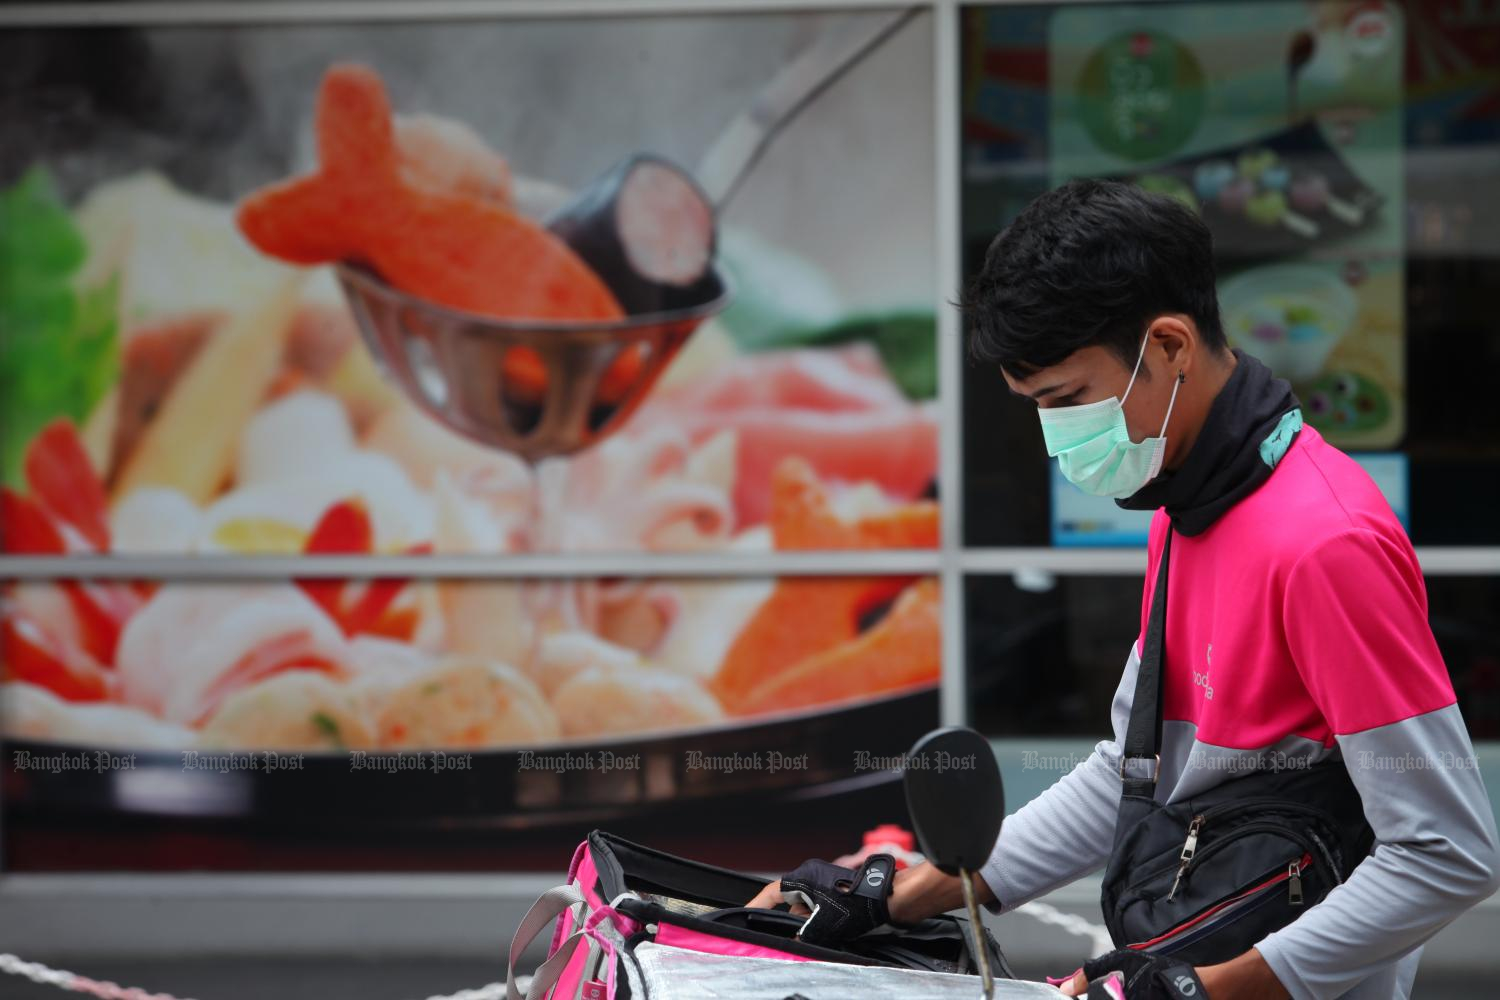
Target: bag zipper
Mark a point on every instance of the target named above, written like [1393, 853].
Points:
[1338, 879]
[1228, 808]
[1200, 853]
[1195, 828]
[1189, 847]
[1292, 875]
[1263, 826]
[1268, 802]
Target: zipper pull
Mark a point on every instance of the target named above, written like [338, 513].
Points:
[1294, 883]
[1191, 844]
[1189, 847]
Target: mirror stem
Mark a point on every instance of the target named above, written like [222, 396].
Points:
[976, 928]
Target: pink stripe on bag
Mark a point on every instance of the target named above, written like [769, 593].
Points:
[681, 937]
[571, 980]
[564, 925]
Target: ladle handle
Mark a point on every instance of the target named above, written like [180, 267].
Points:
[793, 88]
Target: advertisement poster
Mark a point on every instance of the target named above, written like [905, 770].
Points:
[430, 709]
[1281, 124]
[473, 288]
[509, 308]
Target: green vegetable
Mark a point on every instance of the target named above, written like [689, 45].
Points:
[329, 727]
[58, 342]
[1298, 312]
[906, 340]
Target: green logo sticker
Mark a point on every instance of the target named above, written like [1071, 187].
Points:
[1141, 95]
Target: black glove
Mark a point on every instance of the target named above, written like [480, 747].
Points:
[845, 902]
[1146, 976]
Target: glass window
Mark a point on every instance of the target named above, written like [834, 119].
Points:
[1045, 652]
[1344, 154]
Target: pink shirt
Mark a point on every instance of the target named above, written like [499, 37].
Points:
[1274, 632]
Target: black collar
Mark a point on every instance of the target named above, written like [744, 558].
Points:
[1225, 463]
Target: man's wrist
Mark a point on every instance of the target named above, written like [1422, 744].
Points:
[923, 891]
[1246, 977]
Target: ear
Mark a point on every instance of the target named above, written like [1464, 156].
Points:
[1177, 336]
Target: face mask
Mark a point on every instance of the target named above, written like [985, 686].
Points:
[1092, 444]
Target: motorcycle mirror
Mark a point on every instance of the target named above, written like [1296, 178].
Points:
[955, 798]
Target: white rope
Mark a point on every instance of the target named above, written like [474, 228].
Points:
[105, 990]
[1048, 914]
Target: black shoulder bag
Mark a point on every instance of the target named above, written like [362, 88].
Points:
[1206, 878]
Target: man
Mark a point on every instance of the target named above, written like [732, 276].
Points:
[1296, 625]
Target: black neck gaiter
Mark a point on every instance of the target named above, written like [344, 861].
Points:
[1225, 464]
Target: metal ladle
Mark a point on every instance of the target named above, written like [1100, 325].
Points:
[453, 364]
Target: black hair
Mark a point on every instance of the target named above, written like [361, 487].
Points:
[1090, 262]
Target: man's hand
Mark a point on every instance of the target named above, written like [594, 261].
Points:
[1247, 977]
[1142, 976]
[770, 897]
[918, 892]
[842, 903]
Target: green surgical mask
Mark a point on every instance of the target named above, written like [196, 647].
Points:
[1092, 444]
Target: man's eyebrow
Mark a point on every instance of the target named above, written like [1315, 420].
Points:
[1040, 393]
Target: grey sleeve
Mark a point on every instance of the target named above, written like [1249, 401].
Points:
[1068, 830]
[1436, 855]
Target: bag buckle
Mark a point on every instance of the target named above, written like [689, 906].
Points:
[1155, 769]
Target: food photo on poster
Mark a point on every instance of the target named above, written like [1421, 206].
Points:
[357, 306]
[377, 286]
[289, 665]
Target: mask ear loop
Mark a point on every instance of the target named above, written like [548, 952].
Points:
[1137, 370]
[1181, 378]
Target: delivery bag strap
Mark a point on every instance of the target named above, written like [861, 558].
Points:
[1140, 757]
[547, 908]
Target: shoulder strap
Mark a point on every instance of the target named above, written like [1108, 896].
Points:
[1140, 759]
[546, 909]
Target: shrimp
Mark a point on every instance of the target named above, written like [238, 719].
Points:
[30, 712]
[295, 710]
[193, 645]
[607, 700]
[465, 702]
[45, 639]
[563, 655]
[487, 619]
[713, 613]
[631, 613]
[425, 448]
[665, 494]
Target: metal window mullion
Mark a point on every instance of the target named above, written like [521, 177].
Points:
[953, 687]
[261, 12]
[729, 564]
[1434, 560]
